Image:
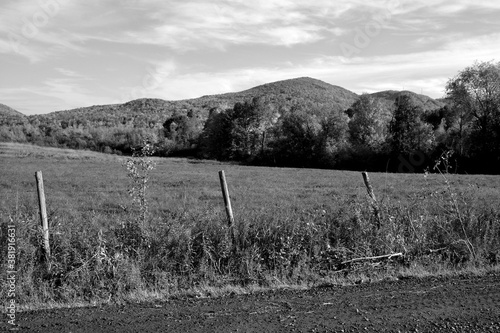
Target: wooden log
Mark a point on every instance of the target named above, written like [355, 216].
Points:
[385, 256]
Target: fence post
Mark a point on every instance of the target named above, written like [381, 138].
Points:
[43, 214]
[369, 189]
[227, 201]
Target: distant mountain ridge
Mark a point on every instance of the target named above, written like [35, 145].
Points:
[152, 112]
[10, 116]
[423, 101]
[320, 91]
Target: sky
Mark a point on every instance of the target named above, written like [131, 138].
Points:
[63, 54]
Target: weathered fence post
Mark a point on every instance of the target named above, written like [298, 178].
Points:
[229, 210]
[227, 201]
[369, 189]
[43, 214]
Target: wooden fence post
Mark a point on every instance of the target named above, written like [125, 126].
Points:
[369, 189]
[227, 201]
[43, 214]
[229, 210]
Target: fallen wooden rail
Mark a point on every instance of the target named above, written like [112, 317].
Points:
[385, 256]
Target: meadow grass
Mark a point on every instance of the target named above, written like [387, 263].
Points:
[294, 227]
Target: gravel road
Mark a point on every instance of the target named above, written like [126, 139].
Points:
[444, 304]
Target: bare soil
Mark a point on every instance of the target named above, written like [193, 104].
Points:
[443, 304]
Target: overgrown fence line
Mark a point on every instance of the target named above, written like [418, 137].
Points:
[193, 237]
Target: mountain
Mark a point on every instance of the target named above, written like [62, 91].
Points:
[178, 125]
[303, 88]
[425, 102]
[150, 112]
[9, 116]
[136, 113]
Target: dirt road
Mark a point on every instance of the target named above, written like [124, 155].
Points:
[458, 304]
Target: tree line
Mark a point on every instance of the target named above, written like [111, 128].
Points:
[369, 135]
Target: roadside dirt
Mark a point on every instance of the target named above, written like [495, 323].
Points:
[458, 304]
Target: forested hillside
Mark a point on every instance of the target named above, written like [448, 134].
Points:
[10, 116]
[119, 127]
[300, 122]
[424, 102]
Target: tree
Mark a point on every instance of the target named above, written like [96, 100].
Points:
[245, 130]
[452, 127]
[408, 133]
[368, 123]
[181, 129]
[241, 133]
[475, 97]
[297, 136]
[215, 140]
[251, 122]
[332, 142]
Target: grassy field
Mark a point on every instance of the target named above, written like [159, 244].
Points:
[293, 226]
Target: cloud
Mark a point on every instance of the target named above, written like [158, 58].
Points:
[153, 78]
[5, 46]
[175, 49]
[184, 25]
[292, 35]
[30, 29]
[52, 94]
[193, 25]
[426, 71]
[67, 72]
[70, 93]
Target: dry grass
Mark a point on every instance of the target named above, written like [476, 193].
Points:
[21, 150]
[294, 227]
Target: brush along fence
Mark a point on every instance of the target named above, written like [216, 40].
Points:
[228, 209]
